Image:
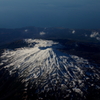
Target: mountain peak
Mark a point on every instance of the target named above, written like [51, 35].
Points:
[44, 64]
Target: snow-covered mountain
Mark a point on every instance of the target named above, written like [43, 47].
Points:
[45, 65]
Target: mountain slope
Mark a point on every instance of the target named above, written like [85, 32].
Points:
[50, 69]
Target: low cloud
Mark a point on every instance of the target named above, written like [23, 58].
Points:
[73, 31]
[42, 33]
[94, 34]
[26, 30]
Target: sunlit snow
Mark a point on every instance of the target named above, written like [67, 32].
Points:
[45, 62]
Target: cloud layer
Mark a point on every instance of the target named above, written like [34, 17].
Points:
[42, 33]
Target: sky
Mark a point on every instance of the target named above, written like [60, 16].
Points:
[50, 13]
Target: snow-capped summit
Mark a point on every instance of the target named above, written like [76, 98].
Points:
[44, 64]
[42, 43]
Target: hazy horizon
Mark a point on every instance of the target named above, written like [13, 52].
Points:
[53, 13]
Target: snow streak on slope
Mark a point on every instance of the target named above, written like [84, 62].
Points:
[45, 65]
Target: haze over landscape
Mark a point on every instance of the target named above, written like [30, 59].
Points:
[50, 13]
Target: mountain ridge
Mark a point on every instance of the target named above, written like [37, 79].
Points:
[43, 64]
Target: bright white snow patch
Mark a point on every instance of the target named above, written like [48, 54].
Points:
[77, 90]
[1, 64]
[43, 43]
[42, 33]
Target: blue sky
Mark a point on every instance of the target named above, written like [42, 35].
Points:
[50, 13]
